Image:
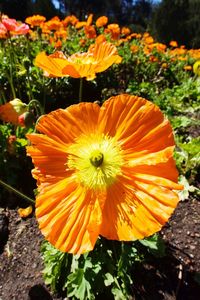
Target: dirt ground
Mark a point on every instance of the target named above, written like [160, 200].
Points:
[169, 278]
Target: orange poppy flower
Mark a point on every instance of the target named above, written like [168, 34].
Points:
[134, 48]
[100, 39]
[125, 31]
[35, 20]
[90, 32]
[105, 171]
[173, 44]
[70, 20]
[101, 21]
[98, 58]
[54, 24]
[114, 30]
[61, 34]
[11, 111]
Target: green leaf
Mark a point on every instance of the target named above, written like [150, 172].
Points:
[108, 279]
[118, 295]
[184, 194]
[78, 286]
[180, 121]
[155, 245]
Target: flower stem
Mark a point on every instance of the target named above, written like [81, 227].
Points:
[38, 107]
[10, 79]
[10, 188]
[80, 90]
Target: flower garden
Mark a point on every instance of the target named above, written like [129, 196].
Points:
[99, 162]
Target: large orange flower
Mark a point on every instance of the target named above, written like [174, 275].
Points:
[103, 171]
[98, 58]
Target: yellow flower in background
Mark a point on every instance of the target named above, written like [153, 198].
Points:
[196, 68]
[98, 58]
[11, 111]
[105, 171]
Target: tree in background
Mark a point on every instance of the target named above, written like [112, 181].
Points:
[20, 9]
[124, 12]
[193, 23]
[43, 7]
[169, 20]
[14, 8]
[178, 21]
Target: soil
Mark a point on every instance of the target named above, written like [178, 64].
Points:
[168, 278]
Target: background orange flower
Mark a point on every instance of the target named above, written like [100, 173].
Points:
[98, 58]
[11, 111]
[101, 21]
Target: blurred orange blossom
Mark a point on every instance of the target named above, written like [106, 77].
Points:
[105, 171]
[35, 20]
[101, 21]
[98, 58]
[11, 111]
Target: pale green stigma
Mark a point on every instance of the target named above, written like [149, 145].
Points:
[96, 158]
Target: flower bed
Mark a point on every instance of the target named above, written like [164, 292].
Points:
[104, 160]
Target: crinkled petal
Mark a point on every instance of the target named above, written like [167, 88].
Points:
[135, 210]
[70, 216]
[137, 123]
[65, 125]
[49, 158]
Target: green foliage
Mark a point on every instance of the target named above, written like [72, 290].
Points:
[155, 245]
[184, 194]
[106, 272]
[14, 164]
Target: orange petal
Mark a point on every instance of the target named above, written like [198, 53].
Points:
[25, 212]
[131, 212]
[115, 110]
[166, 169]
[70, 216]
[71, 71]
[81, 70]
[48, 156]
[52, 65]
[146, 158]
[118, 213]
[140, 124]
[160, 181]
[65, 125]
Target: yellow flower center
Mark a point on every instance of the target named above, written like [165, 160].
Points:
[96, 160]
[82, 59]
